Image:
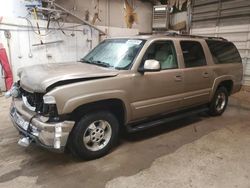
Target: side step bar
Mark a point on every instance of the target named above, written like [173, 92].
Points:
[142, 126]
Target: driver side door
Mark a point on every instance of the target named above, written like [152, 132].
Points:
[158, 93]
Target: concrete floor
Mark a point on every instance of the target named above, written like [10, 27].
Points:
[199, 151]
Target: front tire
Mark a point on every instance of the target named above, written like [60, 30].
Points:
[219, 102]
[94, 135]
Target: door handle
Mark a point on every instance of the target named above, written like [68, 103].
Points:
[178, 78]
[205, 74]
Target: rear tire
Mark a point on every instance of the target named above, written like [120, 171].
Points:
[94, 135]
[219, 102]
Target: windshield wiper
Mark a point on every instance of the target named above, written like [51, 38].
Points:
[99, 63]
[84, 60]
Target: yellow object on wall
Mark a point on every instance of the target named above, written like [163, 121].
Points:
[131, 16]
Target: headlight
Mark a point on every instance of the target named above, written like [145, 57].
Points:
[47, 99]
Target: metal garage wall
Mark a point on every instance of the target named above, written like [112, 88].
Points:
[209, 13]
[225, 18]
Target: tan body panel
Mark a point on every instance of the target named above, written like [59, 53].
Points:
[144, 91]
[37, 78]
[157, 92]
[95, 90]
[152, 93]
[225, 72]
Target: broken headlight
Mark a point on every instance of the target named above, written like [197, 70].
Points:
[48, 99]
[49, 106]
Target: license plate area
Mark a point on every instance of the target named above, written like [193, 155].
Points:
[20, 121]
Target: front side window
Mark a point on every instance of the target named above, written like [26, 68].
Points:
[115, 53]
[164, 52]
[223, 52]
[193, 54]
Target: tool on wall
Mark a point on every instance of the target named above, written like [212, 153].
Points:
[37, 24]
[19, 52]
[46, 43]
[30, 55]
[7, 35]
[79, 18]
[96, 14]
[39, 32]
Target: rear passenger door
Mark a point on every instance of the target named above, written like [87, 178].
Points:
[197, 75]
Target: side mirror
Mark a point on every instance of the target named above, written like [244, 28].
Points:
[151, 65]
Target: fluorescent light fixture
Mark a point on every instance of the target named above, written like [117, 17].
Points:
[160, 8]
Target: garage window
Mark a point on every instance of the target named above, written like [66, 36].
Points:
[193, 54]
[223, 52]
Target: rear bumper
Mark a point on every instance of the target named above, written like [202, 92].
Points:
[52, 136]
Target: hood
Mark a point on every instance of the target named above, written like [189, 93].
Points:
[38, 78]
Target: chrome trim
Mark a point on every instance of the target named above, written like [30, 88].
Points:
[198, 95]
[27, 104]
[158, 103]
[51, 135]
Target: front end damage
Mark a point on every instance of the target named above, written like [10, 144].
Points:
[37, 121]
[34, 112]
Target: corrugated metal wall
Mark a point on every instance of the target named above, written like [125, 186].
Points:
[211, 13]
[225, 18]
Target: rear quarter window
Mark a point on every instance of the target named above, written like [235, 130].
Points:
[223, 52]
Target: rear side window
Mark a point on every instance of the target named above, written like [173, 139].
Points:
[193, 54]
[223, 52]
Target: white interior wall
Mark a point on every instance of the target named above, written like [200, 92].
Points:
[14, 8]
[71, 49]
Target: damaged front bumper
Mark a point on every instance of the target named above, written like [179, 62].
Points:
[52, 135]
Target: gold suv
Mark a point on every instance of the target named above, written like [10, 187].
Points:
[136, 83]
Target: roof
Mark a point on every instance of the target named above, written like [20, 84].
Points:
[172, 35]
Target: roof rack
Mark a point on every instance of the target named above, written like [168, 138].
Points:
[194, 36]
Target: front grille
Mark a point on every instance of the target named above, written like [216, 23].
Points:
[33, 99]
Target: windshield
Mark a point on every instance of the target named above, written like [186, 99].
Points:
[116, 53]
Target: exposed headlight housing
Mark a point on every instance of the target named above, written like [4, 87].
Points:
[49, 107]
[14, 91]
[48, 99]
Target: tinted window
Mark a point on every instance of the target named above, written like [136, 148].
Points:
[164, 52]
[193, 54]
[223, 52]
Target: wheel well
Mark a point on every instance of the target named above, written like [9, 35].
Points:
[228, 84]
[115, 106]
